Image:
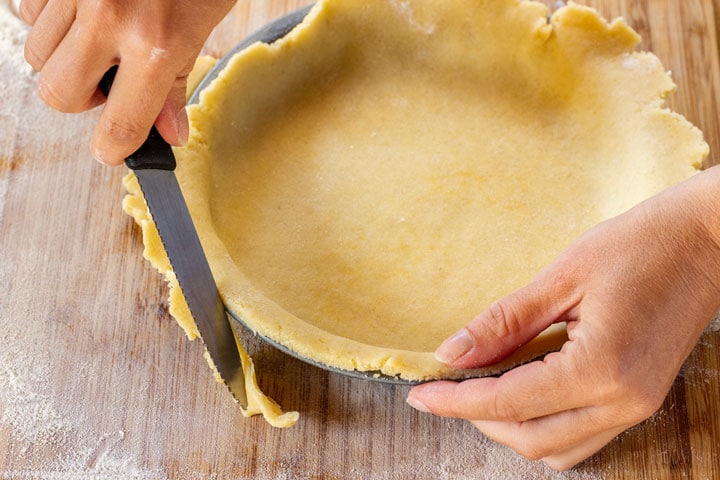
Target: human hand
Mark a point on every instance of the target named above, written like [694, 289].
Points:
[155, 43]
[636, 291]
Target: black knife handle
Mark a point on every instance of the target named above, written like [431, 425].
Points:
[155, 152]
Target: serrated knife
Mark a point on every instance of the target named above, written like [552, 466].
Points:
[154, 166]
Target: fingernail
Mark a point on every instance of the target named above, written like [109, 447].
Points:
[182, 127]
[417, 405]
[99, 155]
[455, 347]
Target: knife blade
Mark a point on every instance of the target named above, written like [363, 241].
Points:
[154, 166]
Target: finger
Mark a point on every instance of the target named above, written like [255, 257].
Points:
[136, 98]
[29, 10]
[534, 390]
[561, 440]
[51, 27]
[68, 81]
[570, 458]
[510, 322]
[172, 122]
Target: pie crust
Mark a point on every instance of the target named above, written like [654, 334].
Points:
[367, 185]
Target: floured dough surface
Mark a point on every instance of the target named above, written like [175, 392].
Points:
[369, 184]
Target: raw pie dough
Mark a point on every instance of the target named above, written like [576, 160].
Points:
[369, 184]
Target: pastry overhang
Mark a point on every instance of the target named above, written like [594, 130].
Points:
[367, 185]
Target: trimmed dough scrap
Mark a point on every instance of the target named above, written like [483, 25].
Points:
[367, 185]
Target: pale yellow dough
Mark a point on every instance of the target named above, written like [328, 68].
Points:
[369, 184]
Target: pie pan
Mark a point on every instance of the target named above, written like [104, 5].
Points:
[570, 122]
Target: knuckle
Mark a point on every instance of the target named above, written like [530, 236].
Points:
[530, 453]
[561, 283]
[27, 12]
[63, 95]
[557, 463]
[105, 10]
[640, 398]
[503, 322]
[499, 318]
[123, 132]
[642, 404]
[521, 442]
[502, 409]
[612, 379]
[532, 450]
[100, 14]
[33, 57]
[156, 46]
[49, 95]
[158, 53]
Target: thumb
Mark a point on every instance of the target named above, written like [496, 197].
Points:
[509, 323]
[172, 121]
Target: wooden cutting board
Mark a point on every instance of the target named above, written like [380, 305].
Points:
[96, 380]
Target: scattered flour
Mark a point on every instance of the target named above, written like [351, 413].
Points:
[28, 409]
[32, 417]
[12, 66]
[404, 8]
[37, 420]
[22, 113]
[15, 73]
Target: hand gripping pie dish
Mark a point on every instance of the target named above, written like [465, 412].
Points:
[368, 184]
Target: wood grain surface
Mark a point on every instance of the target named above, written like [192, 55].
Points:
[97, 381]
